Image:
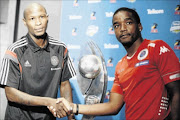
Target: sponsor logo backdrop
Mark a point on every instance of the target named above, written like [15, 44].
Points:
[83, 20]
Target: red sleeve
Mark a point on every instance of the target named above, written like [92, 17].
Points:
[10, 73]
[167, 62]
[116, 88]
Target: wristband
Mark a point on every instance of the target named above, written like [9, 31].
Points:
[77, 109]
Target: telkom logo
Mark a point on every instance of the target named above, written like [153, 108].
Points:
[163, 49]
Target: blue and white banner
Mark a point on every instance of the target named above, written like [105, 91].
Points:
[84, 20]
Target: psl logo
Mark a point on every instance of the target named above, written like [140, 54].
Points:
[107, 94]
[74, 31]
[112, 1]
[111, 30]
[109, 62]
[154, 28]
[177, 45]
[132, 1]
[93, 17]
[75, 3]
[177, 10]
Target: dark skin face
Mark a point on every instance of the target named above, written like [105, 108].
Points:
[36, 20]
[126, 28]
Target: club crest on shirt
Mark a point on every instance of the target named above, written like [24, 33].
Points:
[142, 54]
[54, 60]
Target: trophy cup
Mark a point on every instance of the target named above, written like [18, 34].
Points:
[92, 75]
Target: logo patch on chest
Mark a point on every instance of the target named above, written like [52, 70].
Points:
[27, 64]
[142, 54]
[146, 62]
[54, 60]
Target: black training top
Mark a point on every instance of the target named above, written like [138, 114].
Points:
[36, 71]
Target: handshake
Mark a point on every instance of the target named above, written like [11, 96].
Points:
[63, 108]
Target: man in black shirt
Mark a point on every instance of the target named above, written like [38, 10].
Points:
[32, 70]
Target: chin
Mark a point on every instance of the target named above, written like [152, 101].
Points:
[40, 34]
[125, 41]
[128, 43]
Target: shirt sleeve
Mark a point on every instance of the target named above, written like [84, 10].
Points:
[167, 62]
[68, 68]
[116, 88]
[10, 70]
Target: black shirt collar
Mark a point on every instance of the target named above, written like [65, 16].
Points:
[34, 46]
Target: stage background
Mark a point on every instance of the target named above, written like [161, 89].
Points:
[77, 21]
[84, 20]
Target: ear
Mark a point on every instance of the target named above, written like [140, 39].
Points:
[47, 17]
[140, 27]
[24, 21]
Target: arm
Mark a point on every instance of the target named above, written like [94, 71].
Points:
[20, 97]
[110, 108]
[66, 92]
[174, 92]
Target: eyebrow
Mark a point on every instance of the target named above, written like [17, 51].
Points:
[129, 19]
[38, 15]
[115, 23]
[126, 19]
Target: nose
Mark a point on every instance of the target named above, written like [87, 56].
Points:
[123, 28]
[38, 22]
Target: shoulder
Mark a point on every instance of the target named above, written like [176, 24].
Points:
[55, 42]
[18, 44]
[158, 47]
[121, 61]
[155, 43]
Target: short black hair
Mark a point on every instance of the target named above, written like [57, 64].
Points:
[133, 11]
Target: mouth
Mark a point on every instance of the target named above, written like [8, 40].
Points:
[123, 36]
[39, 29]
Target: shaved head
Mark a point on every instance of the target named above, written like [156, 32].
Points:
[33, 6]
[35, 19]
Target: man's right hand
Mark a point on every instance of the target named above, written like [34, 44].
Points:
[60, 107]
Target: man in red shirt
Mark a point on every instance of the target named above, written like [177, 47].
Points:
[147, 79]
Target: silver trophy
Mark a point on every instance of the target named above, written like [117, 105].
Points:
[92, 75]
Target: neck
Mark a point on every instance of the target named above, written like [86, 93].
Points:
[133, 48]
[39, 40]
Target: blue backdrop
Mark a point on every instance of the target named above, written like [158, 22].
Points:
[83, 20]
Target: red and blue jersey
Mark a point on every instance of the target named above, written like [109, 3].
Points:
[141, 79]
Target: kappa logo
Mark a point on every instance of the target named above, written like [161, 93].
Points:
[27, 64]
[163, 49]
